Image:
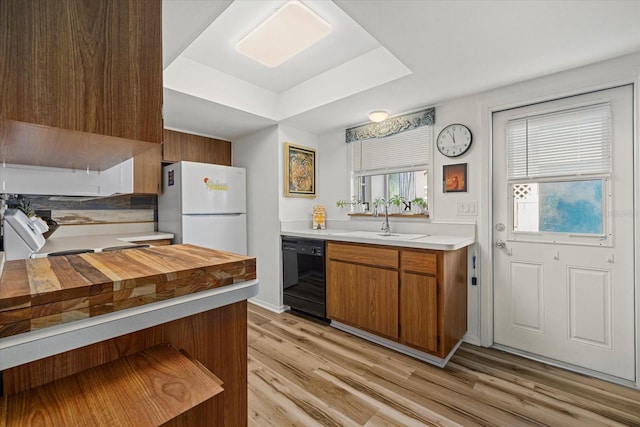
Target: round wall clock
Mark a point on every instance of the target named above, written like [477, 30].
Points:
[454, 140]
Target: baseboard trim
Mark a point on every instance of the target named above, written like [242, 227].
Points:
[567, 366]
[268, 306]
[472, 339]
[425, 357]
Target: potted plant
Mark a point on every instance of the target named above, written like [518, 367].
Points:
[355, 202]
[25, 206]
[395, 202]
[419, 205]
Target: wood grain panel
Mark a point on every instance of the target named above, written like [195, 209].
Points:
[180, 146]
[375, 255]
[452, 306]
[418, 262]
[362, 296]
[147, 388]
[419, 311]
[342, 292]
[61, 289]
[216, 338]
[147, 171]
[380, 305]
[87, 66]
[32, 144]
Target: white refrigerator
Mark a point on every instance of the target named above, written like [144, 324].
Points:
[205, 205]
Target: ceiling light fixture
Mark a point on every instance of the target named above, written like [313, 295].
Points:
[290, 30]
[378, 116]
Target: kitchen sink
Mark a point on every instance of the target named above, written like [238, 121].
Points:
[380, 235]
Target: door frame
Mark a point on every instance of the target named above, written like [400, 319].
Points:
[487, 316]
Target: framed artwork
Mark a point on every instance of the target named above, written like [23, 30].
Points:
[299, 171]
[454, 178]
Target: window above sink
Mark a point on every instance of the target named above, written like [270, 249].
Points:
[396, 169]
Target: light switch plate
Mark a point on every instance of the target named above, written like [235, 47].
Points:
[467, 208]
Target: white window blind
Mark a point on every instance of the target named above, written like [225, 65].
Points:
[402, 152]
[571, 142]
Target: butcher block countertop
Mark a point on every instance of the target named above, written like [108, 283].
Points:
[44, 292]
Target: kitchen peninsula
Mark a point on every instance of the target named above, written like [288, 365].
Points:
[64, 315]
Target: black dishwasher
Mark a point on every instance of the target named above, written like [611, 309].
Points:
[303, 276]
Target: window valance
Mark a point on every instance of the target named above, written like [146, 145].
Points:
[392, 125]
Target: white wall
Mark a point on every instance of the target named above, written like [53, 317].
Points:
[333, 173]
[259, 153]
[262, 154]
[296, 208]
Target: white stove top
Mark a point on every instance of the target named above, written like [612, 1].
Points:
[98, 243]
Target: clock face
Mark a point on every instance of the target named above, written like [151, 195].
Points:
[454, 140]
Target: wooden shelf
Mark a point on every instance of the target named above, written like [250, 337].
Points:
[148, 388]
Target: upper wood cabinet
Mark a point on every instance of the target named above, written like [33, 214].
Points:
[147, 171]
[80, 81]
[180, 146]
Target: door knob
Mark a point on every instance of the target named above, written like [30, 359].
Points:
[500, 244]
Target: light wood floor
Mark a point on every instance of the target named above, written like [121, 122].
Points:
[306, 374]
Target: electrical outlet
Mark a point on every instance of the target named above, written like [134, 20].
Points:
[467, 208]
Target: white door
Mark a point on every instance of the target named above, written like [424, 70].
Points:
[563, 231]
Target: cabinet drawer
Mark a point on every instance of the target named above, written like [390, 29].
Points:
[370, 255]
[419, 262]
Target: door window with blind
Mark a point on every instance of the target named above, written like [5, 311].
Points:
[558, 172]
[395, 168]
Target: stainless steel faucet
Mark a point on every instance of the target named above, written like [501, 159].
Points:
[386, 229]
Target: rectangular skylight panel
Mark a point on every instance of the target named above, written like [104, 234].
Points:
[290, 30]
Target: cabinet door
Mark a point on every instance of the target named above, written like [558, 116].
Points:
[419, 311]
[147, 171]
[180, 146]
[88, 66]
[342, 292]
[363, 296]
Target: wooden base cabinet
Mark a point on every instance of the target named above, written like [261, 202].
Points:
[415, 297]
[365, 296]
[419, 312]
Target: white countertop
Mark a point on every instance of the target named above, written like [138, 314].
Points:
[428, 241]
[56, 244]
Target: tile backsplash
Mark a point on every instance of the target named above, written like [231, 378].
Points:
[85, 211]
